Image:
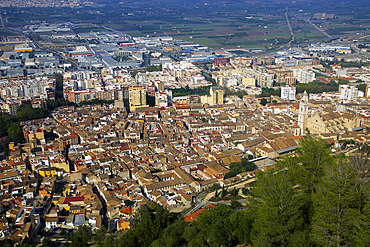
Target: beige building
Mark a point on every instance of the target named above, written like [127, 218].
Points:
[217, 96]
[248, 80]
[137, 96]
[332, 122]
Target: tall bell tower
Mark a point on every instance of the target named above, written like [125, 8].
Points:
[303, 112]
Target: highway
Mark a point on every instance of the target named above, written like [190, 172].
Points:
[290, 27]
[2, 22]
[321, 31]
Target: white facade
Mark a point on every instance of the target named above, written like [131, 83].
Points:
[348, 92]
[51, 223]
[303, 75]
[288, 93]
[163, 98]
[230, 82]
[303, 112]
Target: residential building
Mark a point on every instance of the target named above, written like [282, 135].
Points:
[303, 75]
[137, 96]
[348, 92]
[217, 96]
[288, 93]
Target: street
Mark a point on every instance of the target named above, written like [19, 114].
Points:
[104, 209]
[60, 183]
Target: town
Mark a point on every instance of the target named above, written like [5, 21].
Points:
[126, 121]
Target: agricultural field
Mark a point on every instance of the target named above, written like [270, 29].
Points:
[228, 24]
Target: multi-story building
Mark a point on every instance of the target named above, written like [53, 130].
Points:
[348, 92]
[10, 106]
[248, 80]
[263, 79]
[77, 96]
[137, 96]
[303, 75]
[303, 113]
[163, 98]
[288, 93]
[181, 69]
[229, 81]
[292, 61]
[33, 88]
[281, 74]
[367, 92]
[217, 96]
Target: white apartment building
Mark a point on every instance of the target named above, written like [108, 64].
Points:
[163, 98]
[230, 81]
[348, 92]
[288, 93]
[303, 75]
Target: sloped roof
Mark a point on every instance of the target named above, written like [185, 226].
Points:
[284, 145]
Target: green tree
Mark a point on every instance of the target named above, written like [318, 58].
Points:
[147, 226]
[152, 68]
[238, 167]
[15, 133]
[58, 86]
[213, 228]
[362, 87]
[263, 101]
[172, 236]
[235, 204]
[223, 192]
[234, 192]
[81, 236]
[241, 223]
[52, 104]
[279, 220]
[336, 218]
[27, 112]
[100, 235]
[267, 92]
[6, 242]
[46, 242]
[129, 203]
[307, 168]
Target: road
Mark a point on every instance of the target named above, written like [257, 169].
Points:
[2, 22]
[111, 225]
[196, 198]
[228, 202]
[60, 183]
[160, 28]
[104, 209]
[205, 201]
[321, 31]
[290, 27]
[237, 186]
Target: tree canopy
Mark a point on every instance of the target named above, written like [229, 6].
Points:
[238, 167]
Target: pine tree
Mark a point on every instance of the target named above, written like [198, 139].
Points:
[336, 218]
[307, 168]
[223, 192]
[279, 218]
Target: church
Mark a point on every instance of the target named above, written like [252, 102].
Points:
[325, 122]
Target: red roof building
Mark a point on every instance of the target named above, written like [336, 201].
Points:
[194, 215]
